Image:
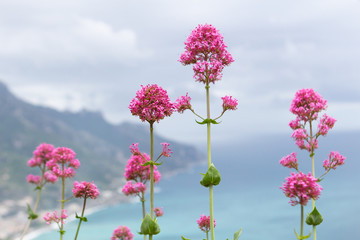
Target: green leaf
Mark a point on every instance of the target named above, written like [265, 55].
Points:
[183, 238]
[81, 218]
[237, 234]
[31, 214]
[314, 218]
[206, 121]
[149, 226]
[37, 188]
[147, 164]
[158, 164]
[301, 237]
[211, 178]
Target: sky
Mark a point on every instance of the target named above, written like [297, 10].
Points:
[95, 55]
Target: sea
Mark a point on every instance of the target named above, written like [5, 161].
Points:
[247, 198]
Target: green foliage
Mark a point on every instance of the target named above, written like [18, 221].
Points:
[149, 226]
[211, 178]
[301, 237]
[314, 218]
[81, 218]
[206, 121]
[31, 214]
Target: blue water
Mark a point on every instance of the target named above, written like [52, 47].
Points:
[248, 197]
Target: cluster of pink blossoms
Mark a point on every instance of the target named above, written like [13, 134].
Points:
[326, 123]
[41, 156]
[290, 161]
[85, 190]
[63, 163]
[335, 159]
[166, 150]
[151, 104]
[300, 187]
[158, 212]
[131, 188]
[204, 223]
[183, 103]
[135, 171]
[53, 217]
[206, 49]
[122, 233]
[229, 103]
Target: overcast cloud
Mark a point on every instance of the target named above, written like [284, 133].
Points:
[72, 55]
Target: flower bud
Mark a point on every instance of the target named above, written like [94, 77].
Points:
[314, 218]
[149, 226]
[211, 178]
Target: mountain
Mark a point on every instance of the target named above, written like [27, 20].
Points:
[101, 147]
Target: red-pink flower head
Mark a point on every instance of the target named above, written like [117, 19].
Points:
[206, 49]
[183, 103]
[63, 163]
[41, 155]
[158, 212]
[290, 161]
[131, 188]
[295, 124]
[151, 104]
[134, 149]
[300, 135]
[300, 187]
[85, 190]
[33, 179]
[335, 159]
[229, 103]
[166, 150]
[135, 171]
[53, 217]
[307, 104]
[122, 233]
[204, 223]
[326, 123]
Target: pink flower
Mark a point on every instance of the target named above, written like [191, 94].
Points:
[229, 103]
[166, 150]
[204, 223]
[133, 189]
[206, 49]
[295, 124]
[33, 179]
[307, 104]
[151, 104]
[85, 190]
[158, 212]
[183, 103]
[335, 159]
[300, 187]
[326, 123]
[53, 217]
[134, 149]
[122, 233]
[50, 177]
[290, 161]
[63, 163]
[135, 171]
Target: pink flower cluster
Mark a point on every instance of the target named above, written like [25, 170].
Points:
[335, 159]
[307, 104]
[300, 187]
[290, 161]
[135, 171]
[33, 179]
[63, 163]
[131, 188]
[229, 103]
[206, 49]
[122, 233]
[85, 190]
[326, 123]
[158, 212]
[166, 150]
[151, 104]
[183, 103]
[53, 217]
[204, 223]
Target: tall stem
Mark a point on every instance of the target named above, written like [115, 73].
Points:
[82, 215]
[151, 173]
[142, 199]
[36, 205]
[313, 170]
[62, 206]
[211, 190]
[302, 221]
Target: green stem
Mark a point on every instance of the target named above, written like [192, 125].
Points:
[151, 173]
[81, 219]
[142, 199]
[36, 205]
[207, 235]
[302, 221]
[313, 171]
[62, 205]
[211, 191]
